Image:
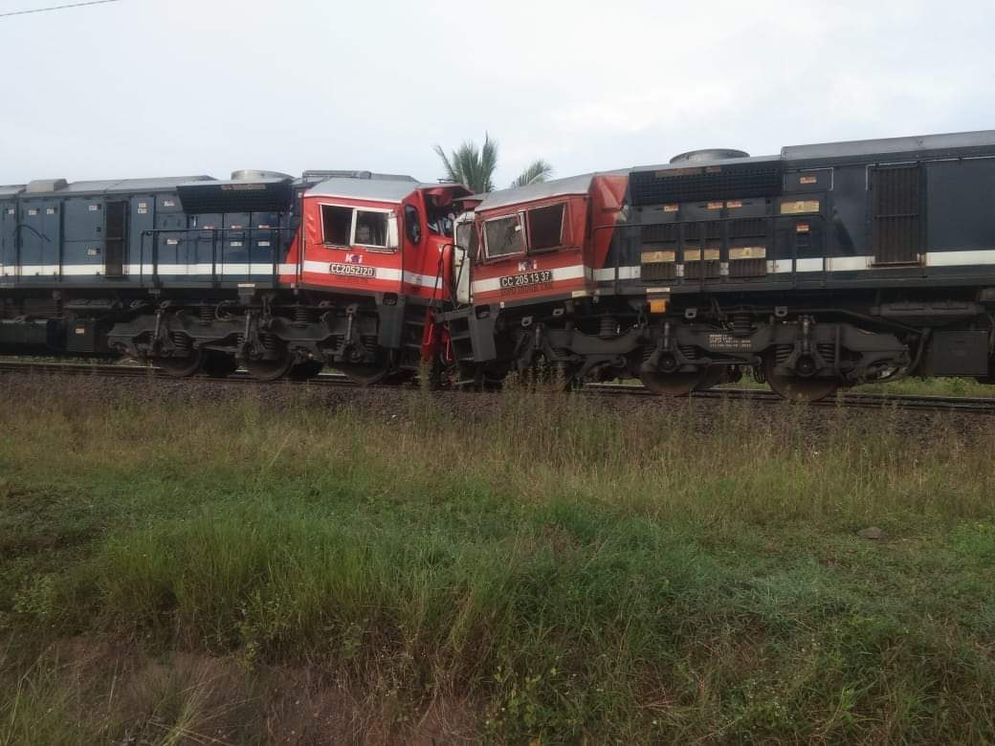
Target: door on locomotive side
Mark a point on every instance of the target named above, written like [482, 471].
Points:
[465, 248]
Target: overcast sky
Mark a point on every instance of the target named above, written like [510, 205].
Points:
[180, 87]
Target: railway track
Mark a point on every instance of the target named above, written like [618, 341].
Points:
[847, 399]
[974, 405]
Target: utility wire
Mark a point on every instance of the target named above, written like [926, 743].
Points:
[55, 7]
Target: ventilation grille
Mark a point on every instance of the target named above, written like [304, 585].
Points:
[705, 183]
[655, 271]
[896, 195]
[712, 269]
[748, 268]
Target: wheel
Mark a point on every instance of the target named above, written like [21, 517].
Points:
[180, 367]
[269, 370]
[364, 374]
[713, 377]
[218, 364]
[306, 370]
[796, 388]
[672, 384]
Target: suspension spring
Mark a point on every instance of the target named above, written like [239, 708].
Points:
[742, 325]
[609, 327]
[181, 342]
[206, 313]
[302, 315]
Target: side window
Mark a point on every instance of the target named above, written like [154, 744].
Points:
[503, 236]
[336, 224]
[466, 238]
[546, 227]
[412, 224]
[371, 229]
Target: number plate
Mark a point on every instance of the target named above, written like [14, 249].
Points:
[525, 279]
[352, 270]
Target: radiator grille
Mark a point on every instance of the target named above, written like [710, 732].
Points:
[693, 270]
[896, 195]
[658, 271]
[748, 268]
[705, 183]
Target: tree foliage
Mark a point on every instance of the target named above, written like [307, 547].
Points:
[474, 166]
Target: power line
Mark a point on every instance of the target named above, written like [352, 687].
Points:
[55, 7]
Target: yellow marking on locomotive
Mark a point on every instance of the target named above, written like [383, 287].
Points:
[694, 255]
[655, 257]
[659, 305]
[799, 207]
[748, 252]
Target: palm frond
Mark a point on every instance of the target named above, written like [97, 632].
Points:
[471, 166]
[538, 171]
[451, 174]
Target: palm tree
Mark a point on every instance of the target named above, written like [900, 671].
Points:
[474, 167]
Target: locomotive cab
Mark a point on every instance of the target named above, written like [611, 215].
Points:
[538, 271]
[383, 248]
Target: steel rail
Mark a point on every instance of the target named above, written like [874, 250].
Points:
[975, 405]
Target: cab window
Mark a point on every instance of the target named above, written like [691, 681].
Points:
[371, 229]
[412, 224]
[466, 238]
[504, 236]
[546, 227]
[336, 224]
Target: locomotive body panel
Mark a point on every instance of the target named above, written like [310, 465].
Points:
[858, 219]
[546, 241]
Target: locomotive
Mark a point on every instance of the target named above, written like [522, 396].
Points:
[821, 267]
[277, 274]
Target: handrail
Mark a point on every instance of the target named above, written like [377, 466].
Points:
[216, 234]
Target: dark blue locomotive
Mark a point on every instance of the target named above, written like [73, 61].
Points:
[821, 267]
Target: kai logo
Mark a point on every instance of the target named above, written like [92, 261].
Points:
[353, 258]
[528, 265]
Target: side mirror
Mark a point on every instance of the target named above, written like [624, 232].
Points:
[392, 235]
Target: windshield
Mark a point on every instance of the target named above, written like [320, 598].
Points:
[439, 219]
[466, 237]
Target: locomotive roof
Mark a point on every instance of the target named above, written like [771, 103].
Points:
[168, 183]
[571, 185]
[11, 190]
[957, 141]
[684, 165]
[377, 190]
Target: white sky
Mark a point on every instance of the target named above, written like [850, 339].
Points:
[176, 87]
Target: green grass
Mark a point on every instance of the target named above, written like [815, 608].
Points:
[561, 569]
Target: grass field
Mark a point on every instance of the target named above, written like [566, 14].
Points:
[542, 569]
